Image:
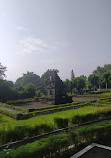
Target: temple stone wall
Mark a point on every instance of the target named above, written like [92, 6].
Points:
[56, 93]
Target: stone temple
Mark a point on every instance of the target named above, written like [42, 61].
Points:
[56, 93]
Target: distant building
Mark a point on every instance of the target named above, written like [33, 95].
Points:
[56, 93]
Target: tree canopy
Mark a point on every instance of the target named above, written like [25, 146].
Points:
[45, 79]
[2, 70]
[28, 78]
[31, 85]
[101, 70]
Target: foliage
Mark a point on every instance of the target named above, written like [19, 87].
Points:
[13, 107]
[58, 145]
[67, 84]
[2, 70]
[45, 123]
[72, 75]
[46, 147]
[45, 79]
[79, 83]
[43, 111]
[101, 70]
[29, 91]
[93, 81]
[60, 122]
[6, 92]
[106, 76]
[28, 78]
[20, 101]
[24, 132]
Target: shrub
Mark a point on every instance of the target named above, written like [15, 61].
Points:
[23, 132]
[60, 122]
[78, 119]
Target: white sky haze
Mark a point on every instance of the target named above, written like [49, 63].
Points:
[36, 35]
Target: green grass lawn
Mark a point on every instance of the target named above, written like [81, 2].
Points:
[101, 95]
[7, 122]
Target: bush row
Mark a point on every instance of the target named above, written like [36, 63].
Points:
[78, 119]
[14, 107]
[22, 101]
[36, 109]
[11, 114]
[53, 110]
[54, 106]
[103, 101]
[42, 112]
[60, 122]
[23, 132]
[62, 146]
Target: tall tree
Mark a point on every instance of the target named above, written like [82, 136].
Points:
[67, 84]
[45, 78]
[6, 92]
[28, 78]
[80, 84]
[100, 70]
[106, 78]
[72, 75]
[93, 80]
[2, 70]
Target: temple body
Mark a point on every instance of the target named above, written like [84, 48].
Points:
[56, 91]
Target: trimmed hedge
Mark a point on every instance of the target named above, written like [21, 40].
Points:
[46, 147]
[60, 122]
[13, 107]
[17, 116]
[78, 119]
[24, 132]
[46, 111]
[20, 101]
[62, 146]
[55, 106]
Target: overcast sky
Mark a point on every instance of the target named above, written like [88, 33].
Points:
[36, 35]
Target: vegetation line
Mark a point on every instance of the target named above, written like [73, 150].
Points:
[18, 143]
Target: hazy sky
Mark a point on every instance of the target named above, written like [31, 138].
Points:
[36, 35]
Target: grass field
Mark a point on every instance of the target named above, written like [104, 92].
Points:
[101, 95]
[9, 133]
[20, 129]
[7, 122]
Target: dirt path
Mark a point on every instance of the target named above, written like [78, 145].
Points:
[33, 105]
[40, 105]
[11, 110]
[80, 99]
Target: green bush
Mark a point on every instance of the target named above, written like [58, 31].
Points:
[78, 119]
[60, 122]
[42, 111]
[20, 101]
[58, 145]
[24, 132]
[46, 147]
[14, 107]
